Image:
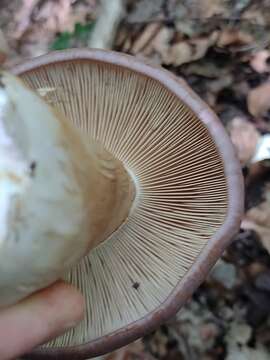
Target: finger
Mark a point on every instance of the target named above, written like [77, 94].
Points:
[39, 318]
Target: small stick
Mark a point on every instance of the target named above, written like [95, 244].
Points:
[105, 30]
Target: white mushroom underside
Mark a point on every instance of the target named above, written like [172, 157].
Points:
[181, 198]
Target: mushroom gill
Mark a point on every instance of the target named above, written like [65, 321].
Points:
[181, 190]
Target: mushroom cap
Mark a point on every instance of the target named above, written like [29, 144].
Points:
[189, 192]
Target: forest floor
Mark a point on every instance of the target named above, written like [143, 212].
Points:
[222, 49]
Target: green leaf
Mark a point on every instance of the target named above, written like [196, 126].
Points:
[82, 32]
[62, 41]
[66, 39]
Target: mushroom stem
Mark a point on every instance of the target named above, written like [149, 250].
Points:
[61, 194]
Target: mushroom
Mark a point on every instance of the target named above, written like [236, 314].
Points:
[142, 181]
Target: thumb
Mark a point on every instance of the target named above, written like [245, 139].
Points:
[38, 318]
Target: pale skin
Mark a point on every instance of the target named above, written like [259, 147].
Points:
[39, 318]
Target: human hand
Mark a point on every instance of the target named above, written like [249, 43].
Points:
[39, 318]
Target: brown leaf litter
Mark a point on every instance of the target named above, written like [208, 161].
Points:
[260, 61]
[258, 219]
[245, 137]
[258, 100]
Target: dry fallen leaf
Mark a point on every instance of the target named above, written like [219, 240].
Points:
[258, 219]
[204, 9]
[245, 138]
[36, 23]
[258, 100]
[23, 17]
[222, 82]
[183, 52]
[50, 14]
[260, 61]
[121, 37]
[145, 37]
[8, 55]
[33, 15]
[209, 8]
[191, 50]
[144, 11]
[230, 37]
[161, 43]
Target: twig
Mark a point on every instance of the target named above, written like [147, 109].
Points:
[103, 35]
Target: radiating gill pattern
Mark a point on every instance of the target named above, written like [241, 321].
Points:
[181, 197]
